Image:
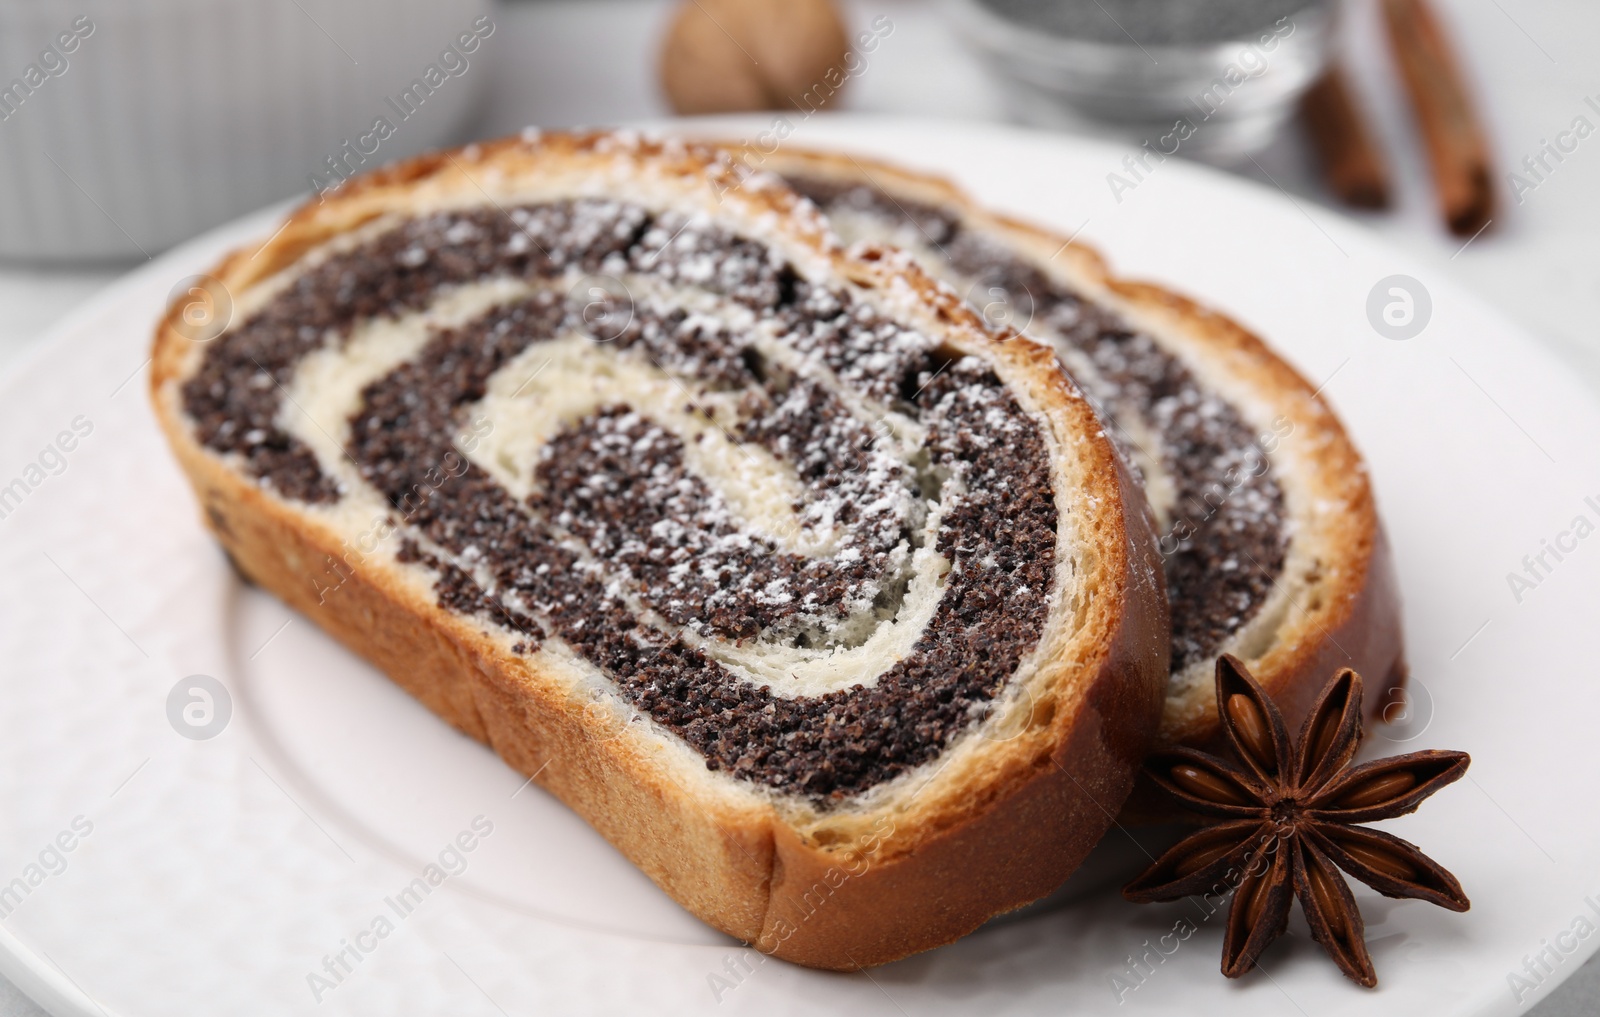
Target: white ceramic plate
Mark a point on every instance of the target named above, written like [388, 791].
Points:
[216, 875]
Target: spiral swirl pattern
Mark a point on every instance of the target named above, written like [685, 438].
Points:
[792, 531]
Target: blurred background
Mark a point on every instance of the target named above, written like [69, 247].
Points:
[126, 128]
[1456, 129]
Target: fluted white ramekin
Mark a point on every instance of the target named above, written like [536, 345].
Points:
[139, 124]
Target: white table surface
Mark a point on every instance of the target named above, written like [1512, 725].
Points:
[569, 62]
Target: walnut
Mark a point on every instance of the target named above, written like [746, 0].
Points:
[725, 56]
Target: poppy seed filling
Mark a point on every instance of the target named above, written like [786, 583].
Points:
[911, 469]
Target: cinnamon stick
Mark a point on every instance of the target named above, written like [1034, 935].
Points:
[1351, 161]
[1457, 150]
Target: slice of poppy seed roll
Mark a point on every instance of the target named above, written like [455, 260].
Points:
[833, 609]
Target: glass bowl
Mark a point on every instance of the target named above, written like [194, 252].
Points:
[1212, 78]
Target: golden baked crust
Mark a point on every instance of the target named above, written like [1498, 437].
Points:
[1348, 615]
[1000, 823]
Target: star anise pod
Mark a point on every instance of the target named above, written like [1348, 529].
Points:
[1286, 823]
